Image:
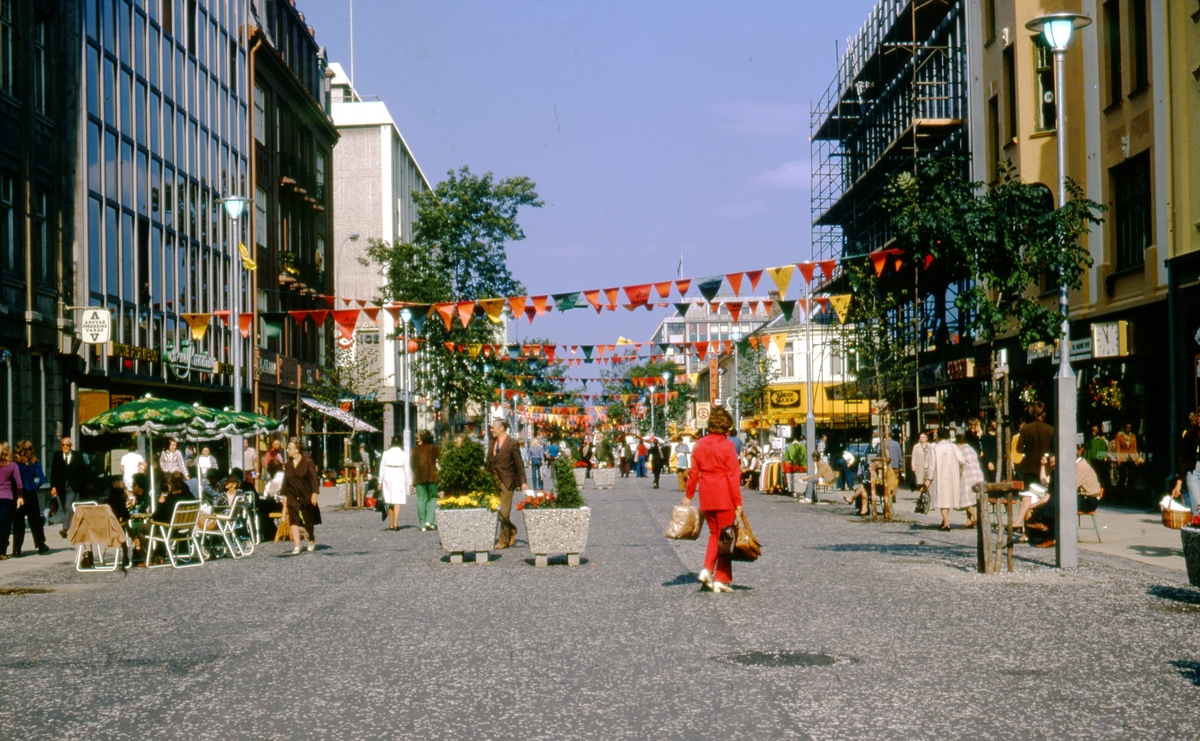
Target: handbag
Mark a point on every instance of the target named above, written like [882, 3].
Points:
[685, 523]
[737, 541]
[922, 501]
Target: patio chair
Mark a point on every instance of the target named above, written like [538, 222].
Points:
[221, 526]
[180, 529]
[94, 527]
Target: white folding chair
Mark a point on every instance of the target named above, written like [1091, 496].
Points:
[181, 529]
[100, 561]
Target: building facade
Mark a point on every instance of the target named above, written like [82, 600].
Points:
[39, 165]
[292, 166]
[377, 175]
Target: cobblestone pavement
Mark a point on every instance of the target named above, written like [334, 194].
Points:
[843, 629]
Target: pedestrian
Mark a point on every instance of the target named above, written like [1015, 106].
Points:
[171, 460]
[715, 462]
[943, 477]
[364, 457]
[656, 461]
[300, 492]
[205, 463]
[505, 463]
[683, 453]
[425, 479]
[641, 458]
[274, 453]
[1036, 439]
[32, 480]
[70, 478]
[249, 461]
[536, 453]
[970, 477]
[625, 456]
[132, 462]
[989, 446]
[585, 455]
[12, 497]
[823, 445]
[1125, 453]
[395, 481]
[1095, 452]
[1187, 476]
[920, 453]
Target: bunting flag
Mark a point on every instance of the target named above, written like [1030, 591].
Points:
[530, 313]
[318, 317]
[198, 323]
[781, 277]
[372, 314]
[841, 304]
[466, 309]
[493, 307]
[780, 340]
[447, 313]
[247, 263]
[682, 309]
[879, 261]
[767, 304]
[516, 304]
[701, 349]
[822, 302]
[224, 315]
[754, 276]
[346, 320]
[329, 300]
[827, 267]
[593, 298]
[638, 295]
[587, 350]
[566, 301]
[752, 341]
[245, 321]
[803, 304]
[682, 286]
[806, 271]
[664, 289]
[709, 287]
[297, 316]
[786, 308]
[271, 328]
[611, 295]
[539, 304]
[735, 310]
[474, 349]
[735, 282]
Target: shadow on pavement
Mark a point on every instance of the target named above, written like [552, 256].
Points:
[901, 549]
[1151, 551]
[560, 560]
[681, 580]
[1176, 594]
[1189, 670]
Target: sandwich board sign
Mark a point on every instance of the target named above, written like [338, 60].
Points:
[96, 326]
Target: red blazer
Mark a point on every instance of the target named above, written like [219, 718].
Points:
[715, 468]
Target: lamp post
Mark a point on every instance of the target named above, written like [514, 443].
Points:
[1056, 29]
[736, 336]
[235, 206]
[667, 400]
[405, 317]
[810, 419]
[487, 414]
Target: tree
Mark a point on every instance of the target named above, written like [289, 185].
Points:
[457, 253]
[618, 382]
[757, 372]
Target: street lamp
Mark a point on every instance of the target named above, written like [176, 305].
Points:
[487, 416]
[652, 390]
[235, 206]
[1056, 29]
[736, 335]
[405, 317]
[667, 399]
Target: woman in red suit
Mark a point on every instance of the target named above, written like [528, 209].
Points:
[715, 468]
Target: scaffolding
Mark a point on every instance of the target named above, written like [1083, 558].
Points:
[899, 95]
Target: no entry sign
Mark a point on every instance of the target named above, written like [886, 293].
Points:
[96, 326]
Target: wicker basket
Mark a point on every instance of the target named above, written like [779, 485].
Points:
[1176, 519]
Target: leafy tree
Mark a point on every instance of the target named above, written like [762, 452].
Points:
[757, 372]
[617, 382]
[457, 254]
[566, 490]
[462, 469]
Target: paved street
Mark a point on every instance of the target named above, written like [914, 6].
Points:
[888, 634]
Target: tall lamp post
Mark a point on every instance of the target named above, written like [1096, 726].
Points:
[810, 419]
[736, 336]
[405, 317]
[1056, 29]
[235, 206]
[666, 401]
[652, 390]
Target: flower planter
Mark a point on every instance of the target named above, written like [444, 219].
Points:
[467, 531]
[580, 476]
[604, 477]
[556, 531]
[1191, 553]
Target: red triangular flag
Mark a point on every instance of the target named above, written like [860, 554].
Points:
[754, 276]
[734, 309]
[827, 267]
[531, 313]
[224, 314]
[879, 260]
[806, 270]
[346, 320]
[549, 352]
[639, 294]
[735, 282]
[372, 314]
[701, 349]
[319, 317]
[298, 316]
[244, 321]
[329, 300]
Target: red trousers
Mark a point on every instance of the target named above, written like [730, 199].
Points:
[720, 566]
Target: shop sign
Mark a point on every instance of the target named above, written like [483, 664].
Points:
[1039, 350]
[703, 410]
[1081, 349]
[786, 398]
[96, 326]
[1112, 339]
[268, 367]
[956, 370]
[132, 352]
[182, 363]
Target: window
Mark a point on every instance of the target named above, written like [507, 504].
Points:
[260, 115]
[233, 67]
[41, 234]
[1011, 129]
[1141, 53]
[1044, 69]
[320, 168]
[191, 26]
[989, 20]
[8, 226]
[1131, 188]
[1112, 28]
[260, 217]
[787, 361]
[168, 16]
[6, 42]
[39, 66]
[995, 149]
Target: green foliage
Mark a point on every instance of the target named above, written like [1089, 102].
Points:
[887, 363]
[604, 451]
[566, 491]
[457, 254]
[616, 382]
[351, 379]
[756, 373]
[463, 469]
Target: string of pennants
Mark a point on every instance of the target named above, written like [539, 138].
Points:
[510, 394]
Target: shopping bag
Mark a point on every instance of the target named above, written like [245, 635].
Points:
[685, 523]
[745, 546]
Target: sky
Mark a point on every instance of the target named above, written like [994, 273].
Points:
[652, 129]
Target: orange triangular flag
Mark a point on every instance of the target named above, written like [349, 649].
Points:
[516, 304]
[447, 312]
[879, 261]
[664, 289]
[611, 295]
[593, 297]
[734, 309]
[539, 304]
[372, 314]
[735, 282]
[827, 267]
[682, 286]
[465, 310]
[806, 270]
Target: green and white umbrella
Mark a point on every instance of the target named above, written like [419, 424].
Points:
[152, 416]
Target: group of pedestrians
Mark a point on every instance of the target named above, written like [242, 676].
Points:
[415, 473]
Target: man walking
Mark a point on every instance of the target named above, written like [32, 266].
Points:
[504, 461]
[683, 453]
[1036, 439]
[536, 453]
[68, 479]
[425, 479]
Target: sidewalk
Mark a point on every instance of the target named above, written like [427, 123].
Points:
[1128, 533]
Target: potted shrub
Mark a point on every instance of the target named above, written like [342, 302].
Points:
[580, 473]
[1191, 550]
[558, 522]
[467, 512]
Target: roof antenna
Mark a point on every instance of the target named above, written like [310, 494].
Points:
[352, 43]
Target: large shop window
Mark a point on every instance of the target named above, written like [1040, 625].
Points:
[1132, 212]
[6, 45]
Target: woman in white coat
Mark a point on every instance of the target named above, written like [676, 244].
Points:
[395, 480]
[943, 477]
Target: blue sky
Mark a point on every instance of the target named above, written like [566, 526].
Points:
[650, 128]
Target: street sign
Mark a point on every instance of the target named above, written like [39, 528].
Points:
[702, 411]
[96, 326]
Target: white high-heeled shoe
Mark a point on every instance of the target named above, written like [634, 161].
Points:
[296, 551]
[705, 578]
[719, 587]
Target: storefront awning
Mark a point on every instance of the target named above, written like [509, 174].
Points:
[346, 418]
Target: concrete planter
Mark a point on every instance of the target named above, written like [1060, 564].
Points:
[467, 531]
[580, 476]
[604, 477]
[556, 531]
[1191, 553]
